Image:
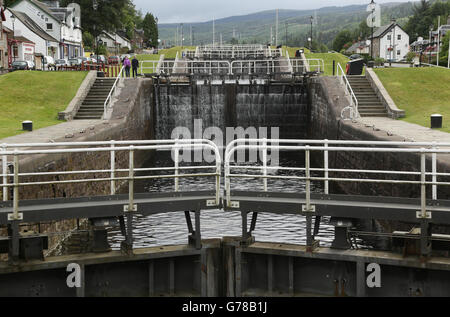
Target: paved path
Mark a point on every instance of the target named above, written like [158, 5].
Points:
[65, 131]
[406, 130]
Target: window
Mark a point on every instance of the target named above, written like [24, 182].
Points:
[389, 38]
[399, 37]
[398, 52]
[15, 51]
[49, 26]
[1, 58]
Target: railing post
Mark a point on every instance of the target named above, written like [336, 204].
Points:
[325, 166]
[308, 180]
[434, 170]
[308, 210]
[113, 168]
[5, 173]
[131, 180]
[423, 193]
[16, 187]
[265, 163]
[176, 158]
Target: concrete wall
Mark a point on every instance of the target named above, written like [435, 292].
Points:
[76, 102]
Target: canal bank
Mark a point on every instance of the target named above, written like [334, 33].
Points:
[132, 119]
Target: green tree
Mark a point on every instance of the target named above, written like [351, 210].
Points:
[150, 28]
[88, 40]
[343, 37]
[109, 15]
[443, 56]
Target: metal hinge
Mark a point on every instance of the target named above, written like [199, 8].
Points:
[234, 204]
[419, 215]
[126, 208]
[211, 203]
[12, 218]
[312, 208]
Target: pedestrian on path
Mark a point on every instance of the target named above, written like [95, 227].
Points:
[135, 65]
[127, 64]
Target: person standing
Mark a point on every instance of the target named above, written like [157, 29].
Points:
[127, 64]
[135, 65]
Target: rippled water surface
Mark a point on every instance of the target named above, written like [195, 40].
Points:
[171, 228]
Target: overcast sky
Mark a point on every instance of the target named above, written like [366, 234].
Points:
[177, 11]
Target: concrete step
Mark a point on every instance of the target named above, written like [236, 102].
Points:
[96, 98]
[91, 108]
[372, 110]
[373, 115]
[89, 117]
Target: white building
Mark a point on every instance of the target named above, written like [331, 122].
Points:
[25, 28]
[390, 42]
[122, 40]
[63, 24]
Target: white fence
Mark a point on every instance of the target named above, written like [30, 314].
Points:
[263, 172]
[13, 153]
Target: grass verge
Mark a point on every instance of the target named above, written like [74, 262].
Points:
[36, 96]
[421, 92]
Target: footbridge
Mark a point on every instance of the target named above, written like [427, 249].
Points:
[416, 265]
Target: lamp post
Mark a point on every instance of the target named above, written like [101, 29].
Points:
[430, 46]
[311, 19]
[372, 3]
[95, 7]
[13, 20]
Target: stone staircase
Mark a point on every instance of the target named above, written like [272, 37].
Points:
[93, 105]
[368, 103]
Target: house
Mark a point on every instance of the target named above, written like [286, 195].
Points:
[61, 23]
[122, 40]
[138, 39]
[24, 27]
[107, 40]
[390, 42]
[359, 48]
[4, 34]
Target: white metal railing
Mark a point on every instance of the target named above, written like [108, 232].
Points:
[424, 150]
[432, 65]
[14, 152]
[242, 67]
[113, 92]
[353, 107]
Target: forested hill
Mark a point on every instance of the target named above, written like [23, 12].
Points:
[256, 27]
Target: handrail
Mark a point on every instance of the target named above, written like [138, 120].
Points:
[326, 146]
[112, 92]
[353, 107]
[112, 147]
[267, 66]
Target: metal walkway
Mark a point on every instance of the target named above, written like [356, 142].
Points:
[113, 164]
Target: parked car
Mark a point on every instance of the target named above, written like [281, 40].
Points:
[20, 65]
[49, 62]
[102, 59]
[74, 61]
[113, 60]
[61, 62]
[355, 56]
